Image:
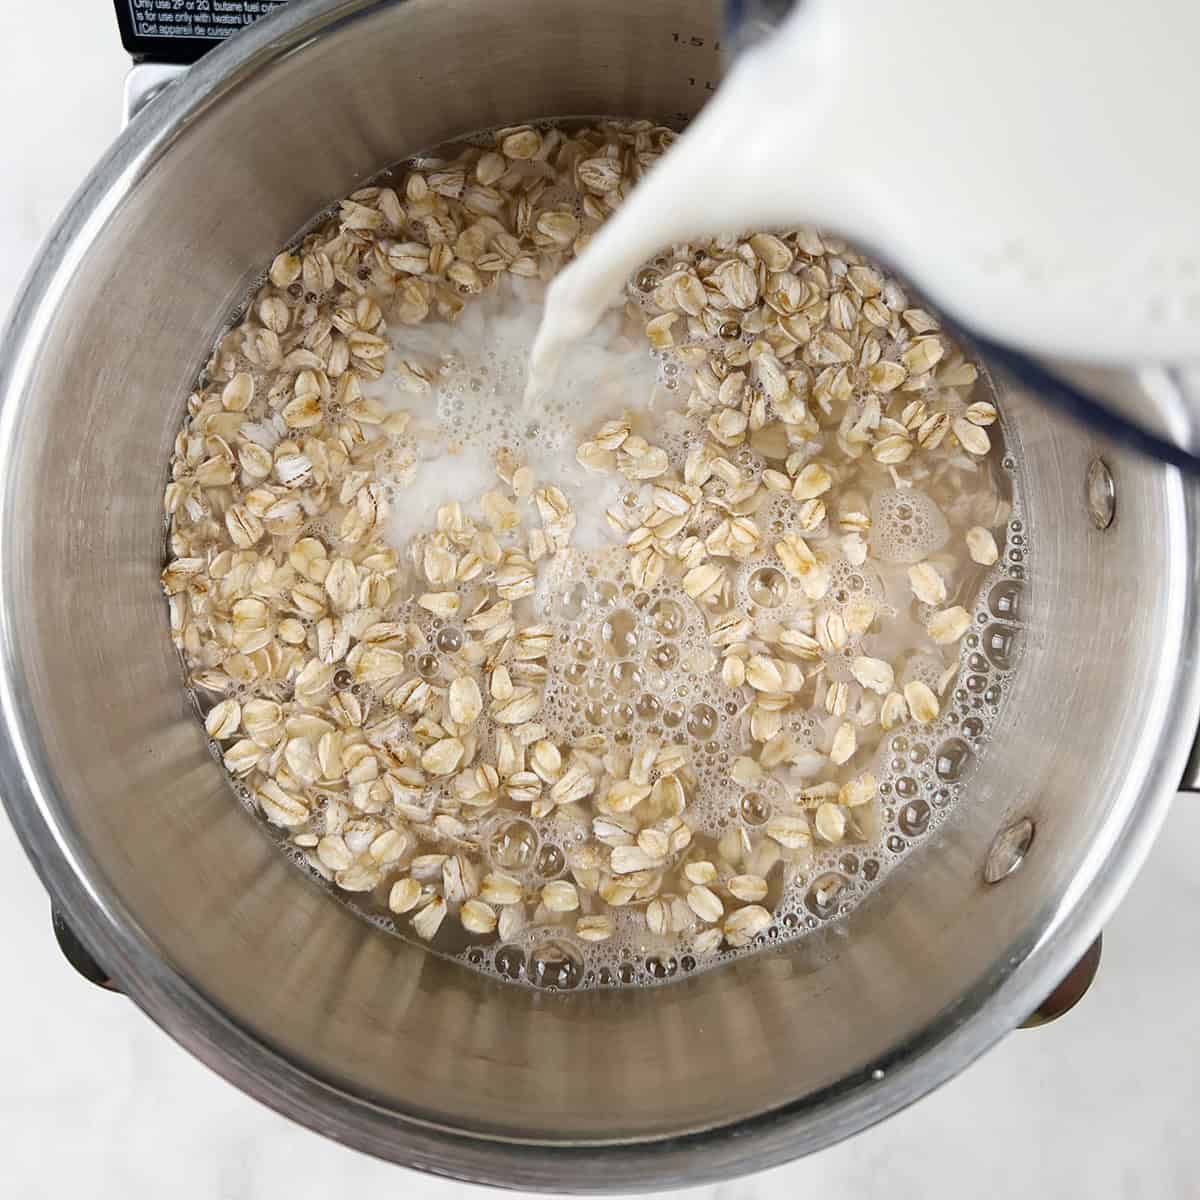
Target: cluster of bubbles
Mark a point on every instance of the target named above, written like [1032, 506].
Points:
[635, 665]
[922, 771]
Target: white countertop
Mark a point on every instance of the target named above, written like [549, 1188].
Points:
[95, 1101]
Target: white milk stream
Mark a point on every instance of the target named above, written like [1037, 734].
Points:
[1027, 165]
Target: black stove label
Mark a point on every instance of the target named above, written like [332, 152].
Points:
[182, 30]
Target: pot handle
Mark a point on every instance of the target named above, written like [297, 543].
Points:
[145, 81]
[1191, 773]
[78, 955]
[1068, 993]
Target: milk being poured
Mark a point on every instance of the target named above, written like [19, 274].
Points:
[1022, 164]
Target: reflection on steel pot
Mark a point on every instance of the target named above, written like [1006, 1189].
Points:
[363, 1036]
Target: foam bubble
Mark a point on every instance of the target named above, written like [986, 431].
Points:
[906, 525]
[923, 668]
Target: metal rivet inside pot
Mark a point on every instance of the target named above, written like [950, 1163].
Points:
[1101, 494]
[1008, 851]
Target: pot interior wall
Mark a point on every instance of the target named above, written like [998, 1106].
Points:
[150, 812]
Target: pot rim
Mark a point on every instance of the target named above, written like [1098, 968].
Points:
[996, 1003]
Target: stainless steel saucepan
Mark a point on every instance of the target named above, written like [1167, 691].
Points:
[256, 970]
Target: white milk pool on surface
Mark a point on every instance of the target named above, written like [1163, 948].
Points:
[473, 407]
